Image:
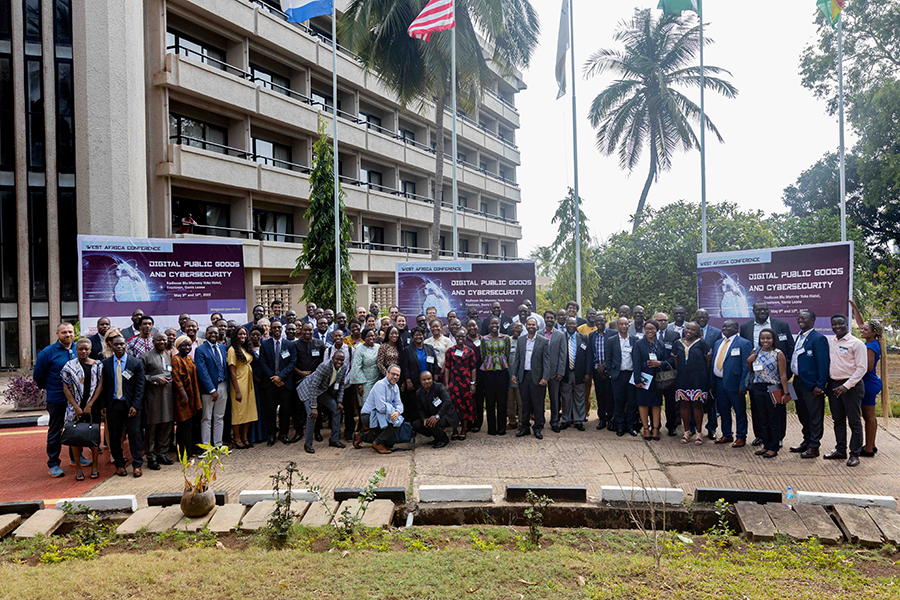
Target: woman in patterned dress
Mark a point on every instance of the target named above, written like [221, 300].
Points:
[690, 355]
[82, 385]
[364, 372]
[188, 406]
[389, 352]
[495, 372]
[460, 381]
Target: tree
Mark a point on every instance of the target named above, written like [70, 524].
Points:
[318, 248]
[416, 70]
[563, 254]
[644, 108]
[544, 263]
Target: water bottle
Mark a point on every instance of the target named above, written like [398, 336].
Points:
[790, 495]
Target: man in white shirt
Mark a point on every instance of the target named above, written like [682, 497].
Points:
[849, 362]
[525, 314]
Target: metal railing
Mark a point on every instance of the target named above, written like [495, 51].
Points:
[482, 127]
[305, 28]
[250, 234]
[502, 99]
[281, 164]
[483, 171]
[186, 140]
[205, 58]
[284, 90]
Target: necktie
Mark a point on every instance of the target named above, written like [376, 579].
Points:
[277, 355]
[720, 359]
[571, 352]
[118, 380]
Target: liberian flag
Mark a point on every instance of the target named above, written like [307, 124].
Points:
[436, 16]
[303, 10]
[674, 7]
[831, 9]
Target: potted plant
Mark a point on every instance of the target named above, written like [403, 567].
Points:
[23, 393]
[198, 497]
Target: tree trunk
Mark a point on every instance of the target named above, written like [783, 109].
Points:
[438, 178]
[653, 168]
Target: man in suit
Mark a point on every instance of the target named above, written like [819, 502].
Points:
[436, 411]
[750, 331]
[710, 335]
[667, 337]
[505, 322]
[557, 351]
[636, 328]
[325, 387]
[574, 381]
[472, 315]
[810, 364]
[277, 358]
[212, 374]
[729, 380]
[532, 372]
[259, 312]
[524, 313]
[310, 314]
[679, 315]
[158, 406]
[619, 367]
[123, 382]
[97, 339]
[596, 361]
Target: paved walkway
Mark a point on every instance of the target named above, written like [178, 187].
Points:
[592, 458]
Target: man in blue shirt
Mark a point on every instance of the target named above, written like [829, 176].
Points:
[47, 367]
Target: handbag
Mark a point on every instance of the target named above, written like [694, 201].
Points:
[81, 434]
[403, 434]
[665, 380]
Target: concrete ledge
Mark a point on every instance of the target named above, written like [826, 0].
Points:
[43, 421]
[558, 493]
[171, 499]
[614, 493]
[127, 502]
[456, 493]
[21, 508]
[823, 499]
[14, 422]
[251, 497]
[733, 496]
[394, 494]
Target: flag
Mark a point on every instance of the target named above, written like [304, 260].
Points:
[674, 7]
[437, 16]
[298, 11]
[562, 45]
[831, 9]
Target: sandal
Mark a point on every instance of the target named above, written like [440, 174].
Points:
[698, 441]
[647, 437]
[686, 438]
[95, 474]
[655, 436]
[461, 437]
[79, 477]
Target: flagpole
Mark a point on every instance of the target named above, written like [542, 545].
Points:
[840, 30]
[453, 138]
[575, 156]
[337, 198]
[702, 129]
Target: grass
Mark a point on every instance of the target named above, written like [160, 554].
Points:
[456, 562]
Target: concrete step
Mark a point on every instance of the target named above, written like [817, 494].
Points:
[166, 519]
[139, 520]
[258, 516]
[197, 523]
[43, 522]
[8, 522]
[755, 521]
[857, 525]
[379, 513]
[227, 518]
[888, 522]
[787, 522]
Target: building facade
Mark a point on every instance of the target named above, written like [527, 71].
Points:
[138, 116]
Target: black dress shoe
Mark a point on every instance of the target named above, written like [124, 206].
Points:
[801, 448]
[475, 430]
[601, 424]
[270, 441]
[673, 433]
[318, 436]
[611, 426]
[853, 461]
[295, 439]
[756, 442]
[309, 449]
[809, 453]
[522, 433]
[620, 432]
[164, 460]
[564, 426]
[579, 426]
[285, 440]
[153, 465]
[440, 444]
[501, 432]
[835, 455]
[633, 433]
[337, 444]
[710, 435]
[538, 435]
[759, 452]
[866, 453]
[556, 428]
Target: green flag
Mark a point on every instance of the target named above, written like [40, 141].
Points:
[831, 9]
[674, 7]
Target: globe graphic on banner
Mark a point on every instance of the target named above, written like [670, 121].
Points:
[426, 292]
[722, 291]
[112, 279]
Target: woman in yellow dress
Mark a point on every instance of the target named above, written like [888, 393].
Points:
[243, 397]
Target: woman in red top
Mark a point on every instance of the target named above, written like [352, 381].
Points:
[459, 379]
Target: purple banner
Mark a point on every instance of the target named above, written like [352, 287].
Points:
[818, 277]
[458, 285]
[162, 277]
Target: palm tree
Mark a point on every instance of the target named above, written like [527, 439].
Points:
[544, 262]
[416, 71]
[643, 107]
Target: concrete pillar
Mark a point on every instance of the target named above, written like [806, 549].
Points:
[300, 82]
[111, 170]
[157, 122]
[50, 164]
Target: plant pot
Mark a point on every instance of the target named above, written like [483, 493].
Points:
[197, 505]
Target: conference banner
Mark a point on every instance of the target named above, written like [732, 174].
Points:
[458, 285]
[162, 277]
[818, 277]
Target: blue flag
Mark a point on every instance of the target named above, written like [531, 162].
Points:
[304, 10]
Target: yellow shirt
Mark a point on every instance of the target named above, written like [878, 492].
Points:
[586, 329]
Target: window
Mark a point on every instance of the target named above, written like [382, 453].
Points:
[484, 208]
[7, 134]
[373, 178]
[485, 249]
[37, 243]
[193, 132]
[8, 246]
[407, 134]
[5, 20]
[323, 100]
[34, 106]
[181, 44]
[483, 166]
[269, 223]
[204, 213]
[373, 237]
[272, 153]
[32, 20]
[408, 188]
[9, 343]
[443, 243]
[62, 21]
[461, 157]
[409, 240]
[462, 202]
[502, 212]
[371, 120]
[503, 251]
[463, 247]
[68, 245]
[65, 119]
[273, 81]
[502, 174]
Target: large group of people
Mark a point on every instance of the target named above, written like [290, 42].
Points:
[284, 378]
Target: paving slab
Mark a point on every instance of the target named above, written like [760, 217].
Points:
[456, 493]
[888, 522]
[755, 521]
[317, 516]
[258, 516]
[857, 525]
[8, 522]
[379, 513]
[125, 502]
[787, 522]
[139, 520]
[196, 523]
[819, 523]
[227, 518]
[166, 519]
[43, 522]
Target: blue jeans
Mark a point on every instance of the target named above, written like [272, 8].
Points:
[57, 412]
[725, 402]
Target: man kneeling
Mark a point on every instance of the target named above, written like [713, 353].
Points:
[383, 410]
[436, 411]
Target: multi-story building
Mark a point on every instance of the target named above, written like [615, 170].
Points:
[127, 118]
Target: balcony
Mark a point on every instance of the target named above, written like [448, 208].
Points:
[496, 104]
[215, 82]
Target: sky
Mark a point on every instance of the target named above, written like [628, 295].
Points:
[773, 130]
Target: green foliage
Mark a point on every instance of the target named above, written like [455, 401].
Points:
[205, 469]
[722, 529]
[55, 554]
[563, 255]
[643, 106]
[282, 520]
[203, 538]
[317, 254]
[347, 522]
[544, 261]
[534, 515]
[481, 544]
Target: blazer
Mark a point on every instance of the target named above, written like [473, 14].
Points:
[782, 332]
[96, 346]
[640, 354]
[505, 325]
[132, 387]
[814, 363]
[540, 359]
[410, 358]
[614, 353]
[581, 351]
[734, 368]
[444, 408]
[319, 382]
[557, 352]
[208, 367]
[668, 337]
[592, 344]
[267, 362]
[712, 334]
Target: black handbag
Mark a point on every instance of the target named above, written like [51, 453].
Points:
[665, 380]
[81, 434]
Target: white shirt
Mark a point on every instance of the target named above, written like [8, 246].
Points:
[529, 348]
[535, 316]
[625, 345]
[798, 349]
[758, 327]
[723, 350]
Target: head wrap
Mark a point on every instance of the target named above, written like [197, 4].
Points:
[181, 339]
